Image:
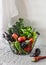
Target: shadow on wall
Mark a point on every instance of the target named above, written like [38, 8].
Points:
[20, 4]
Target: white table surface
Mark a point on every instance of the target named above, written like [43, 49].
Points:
[8, 58]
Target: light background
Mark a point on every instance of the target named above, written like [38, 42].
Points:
[35, 11]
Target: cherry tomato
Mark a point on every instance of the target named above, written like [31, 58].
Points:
[15, 36]
[31, 40]
[21, 39]
[27, 49]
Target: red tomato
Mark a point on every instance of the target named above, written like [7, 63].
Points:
[15, 36]
[30, 44]
[21, 39]
[27, 49]
[31, 40]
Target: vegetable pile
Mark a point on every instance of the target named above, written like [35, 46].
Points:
[22, 37]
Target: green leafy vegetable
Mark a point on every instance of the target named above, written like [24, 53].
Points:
[16, 27]
[27, 32]
[21, 30]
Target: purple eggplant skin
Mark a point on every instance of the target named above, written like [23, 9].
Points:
[36, 53]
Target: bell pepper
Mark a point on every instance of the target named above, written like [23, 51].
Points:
[15, 36]
[21, 39]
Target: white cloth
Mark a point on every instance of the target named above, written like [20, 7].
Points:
[10, 7]
[1, 13]
[9, 11]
